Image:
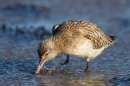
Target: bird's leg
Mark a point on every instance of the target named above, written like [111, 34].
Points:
[66, 61]
[53, 68]
[87, 68]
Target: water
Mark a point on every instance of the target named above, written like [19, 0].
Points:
[24, 24]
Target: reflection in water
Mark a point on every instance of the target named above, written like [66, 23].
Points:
[71, 79]
[20, 72]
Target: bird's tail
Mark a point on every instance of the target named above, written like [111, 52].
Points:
[113, 37]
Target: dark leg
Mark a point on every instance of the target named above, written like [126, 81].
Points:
[53, 68]
[67, 61]
[87, 68]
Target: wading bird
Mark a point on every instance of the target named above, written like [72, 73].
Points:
[74, 37]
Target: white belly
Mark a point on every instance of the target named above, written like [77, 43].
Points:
[84, 49]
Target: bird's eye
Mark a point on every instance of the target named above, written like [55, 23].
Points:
[46, 54]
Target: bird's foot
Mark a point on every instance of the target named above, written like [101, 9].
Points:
[44, 70]
[50, 71]
[87, 71]
[53, 68]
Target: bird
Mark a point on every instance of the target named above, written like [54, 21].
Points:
[78, 38]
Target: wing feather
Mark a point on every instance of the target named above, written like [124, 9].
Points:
[85, 29]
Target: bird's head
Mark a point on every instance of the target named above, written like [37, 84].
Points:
[46, 52]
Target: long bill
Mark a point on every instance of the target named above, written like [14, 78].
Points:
[40, 66]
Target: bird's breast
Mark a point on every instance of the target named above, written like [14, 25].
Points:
[82, 49]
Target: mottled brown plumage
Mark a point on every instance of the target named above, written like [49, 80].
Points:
[74, 37]
[85, 29]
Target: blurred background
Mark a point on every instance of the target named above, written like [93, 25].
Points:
[25, 23]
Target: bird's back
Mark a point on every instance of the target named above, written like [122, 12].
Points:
[77, 29]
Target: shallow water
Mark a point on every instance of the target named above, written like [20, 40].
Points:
[21, 33]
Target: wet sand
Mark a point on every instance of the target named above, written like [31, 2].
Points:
[24, 24]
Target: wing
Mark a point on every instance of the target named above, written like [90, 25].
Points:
[93, 33]
[55, 29]
[88, 30]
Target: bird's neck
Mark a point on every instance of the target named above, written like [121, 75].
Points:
[54, 44]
